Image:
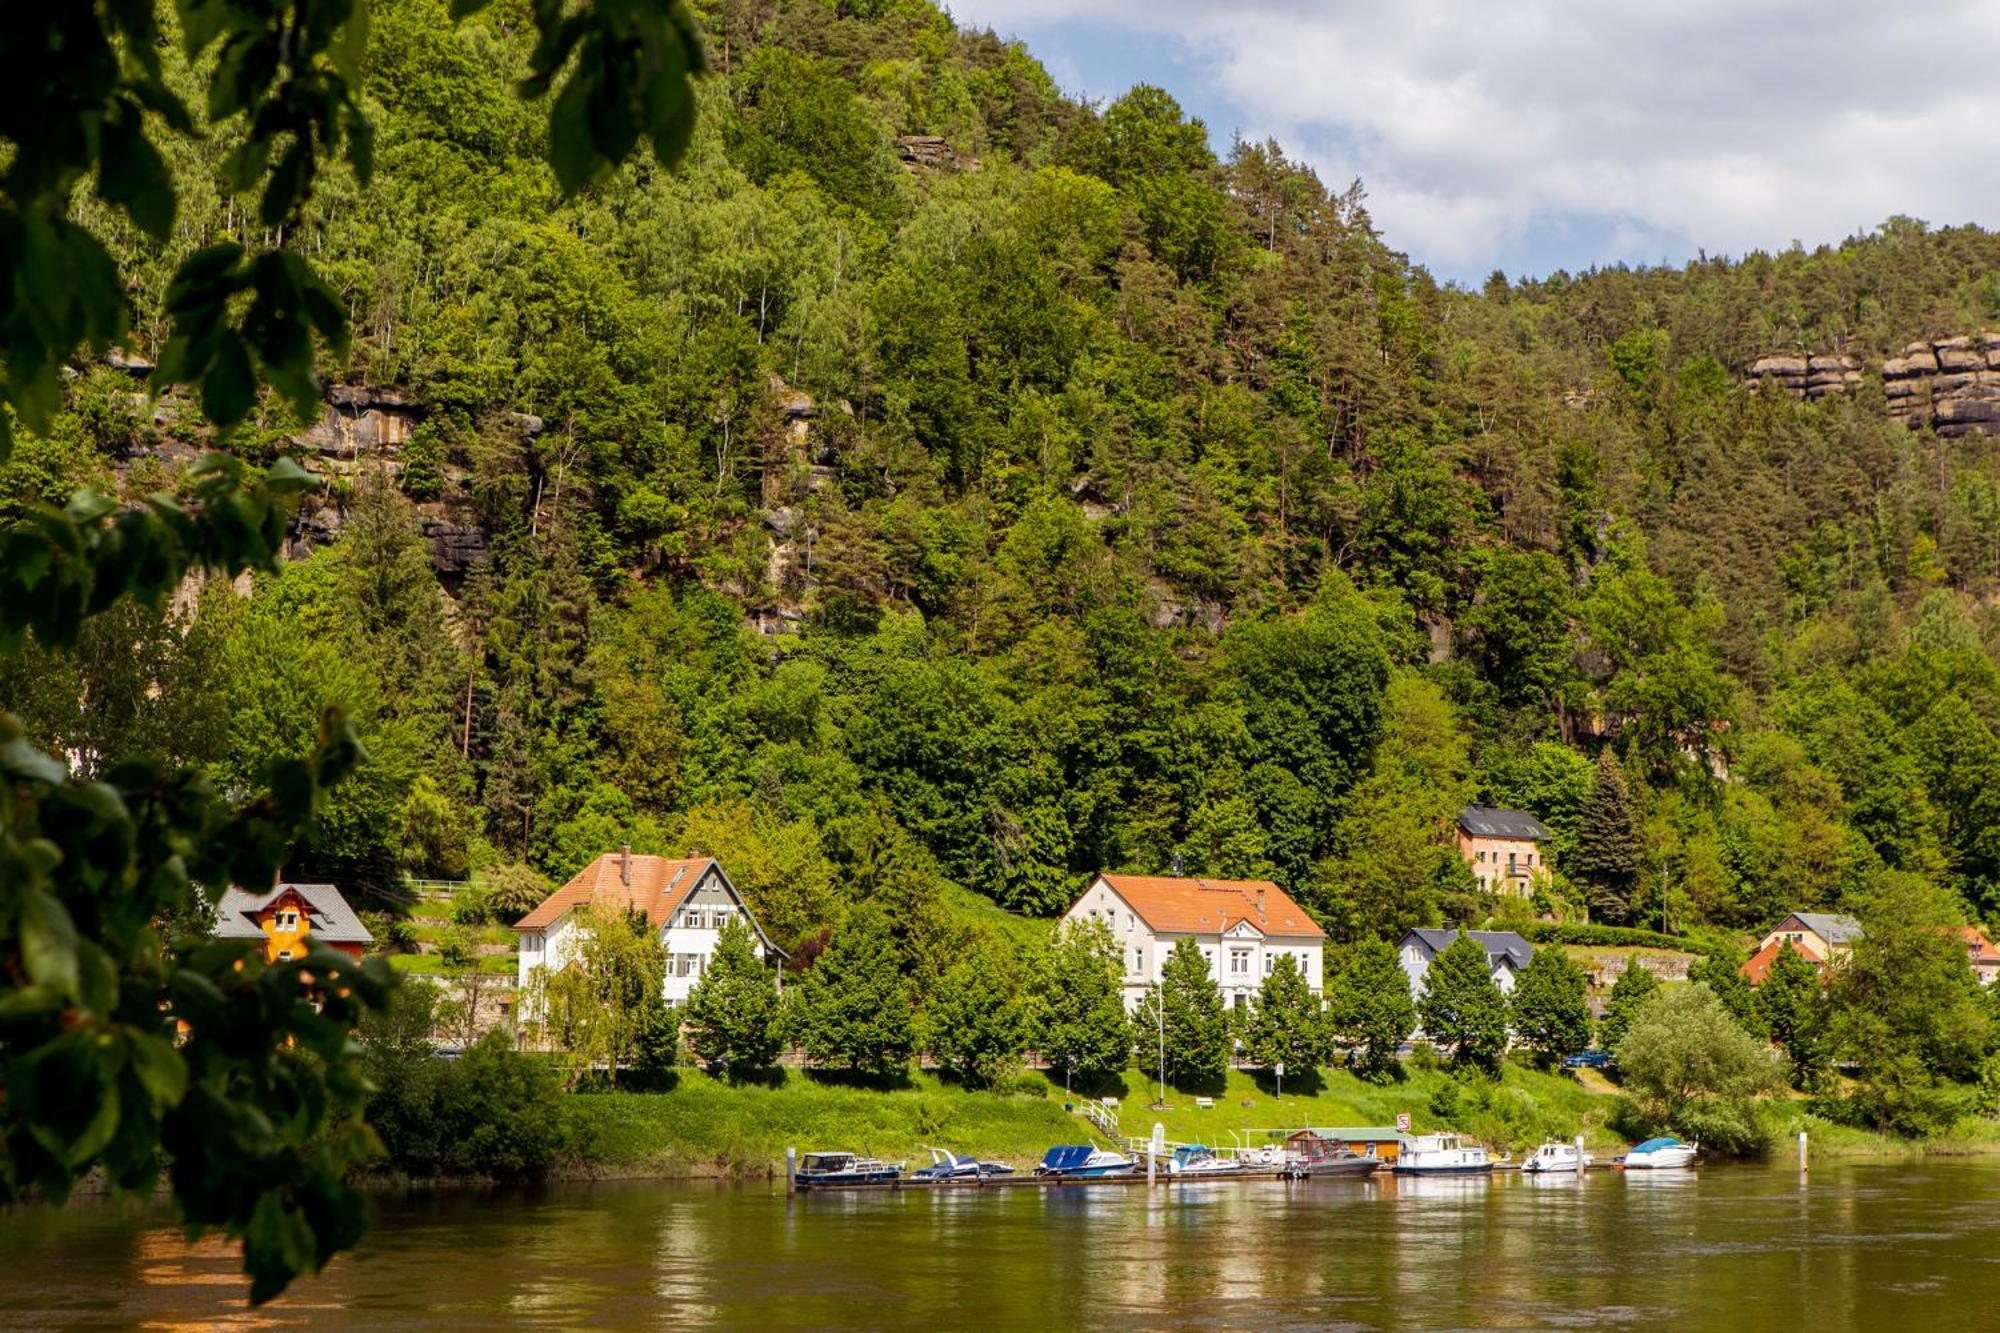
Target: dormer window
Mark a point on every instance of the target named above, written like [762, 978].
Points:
[287, 919]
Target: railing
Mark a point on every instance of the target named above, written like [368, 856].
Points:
[1104, 1118]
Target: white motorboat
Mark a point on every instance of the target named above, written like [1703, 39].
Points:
[1552, 1158]
[1198, 1160]
[1660, 1154]
[1442, 1155]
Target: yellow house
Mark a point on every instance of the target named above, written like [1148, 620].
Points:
[290, 919]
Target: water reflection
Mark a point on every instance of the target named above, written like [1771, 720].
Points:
[1855, 1248]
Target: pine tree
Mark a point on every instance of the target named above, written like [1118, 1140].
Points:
[1370, 1008]
[976, 1026]
[1197, 1032]
[731, 1016]
[1288, 1025]
[1795, 1007]
[853, 1012]
[1076, 1009]
[1607, 844]
[1635, 985]
[1550, 1012]
[1462, 1008]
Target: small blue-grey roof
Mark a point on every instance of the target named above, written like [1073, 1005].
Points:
[1499, 944]
[331, 919]
[1832, 927]
[1489, 821]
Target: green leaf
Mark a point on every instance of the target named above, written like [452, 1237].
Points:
[572, 153]
[230, 386]
[286, 189]
[21, 760]
[160, 1068]
[48, 940]
[131, 176]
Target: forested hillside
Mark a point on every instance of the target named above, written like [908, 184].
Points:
[876, 511]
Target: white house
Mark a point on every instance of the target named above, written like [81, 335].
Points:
[687, 901]
[1506, 954]
[1242, 925]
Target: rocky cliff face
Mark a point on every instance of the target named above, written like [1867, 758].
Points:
[1951, 385]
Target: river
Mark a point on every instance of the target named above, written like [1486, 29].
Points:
[1861, 1246]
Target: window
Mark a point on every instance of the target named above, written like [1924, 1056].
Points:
[284, 955]
[1242, 1001]
[1138, 960]
[1239, 961]
[1128, 923]
[287, 919]
[1269, 962]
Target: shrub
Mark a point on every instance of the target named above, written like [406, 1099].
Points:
[1564, 932]
[1027, 1085]
[513, 890]
[469, 907]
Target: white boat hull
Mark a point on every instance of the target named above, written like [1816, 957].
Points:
[1661, 1159]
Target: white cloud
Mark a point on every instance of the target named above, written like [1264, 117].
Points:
[1656, 128]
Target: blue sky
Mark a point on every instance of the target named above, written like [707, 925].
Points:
[1531, 135]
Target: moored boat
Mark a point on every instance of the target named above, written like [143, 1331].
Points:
[1312, 1155]
[1197, 1160]
[1660, 1154]
[844, 1168]
[1082, 1162]
[1554, 1158]
[1442, 1155]
[947, 1165]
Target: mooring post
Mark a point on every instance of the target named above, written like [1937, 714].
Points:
[1580, 1162]
[791, 1170]
[1150, 1164]
[1802, 1151]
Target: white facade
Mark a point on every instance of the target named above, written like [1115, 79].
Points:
[1416, 954]
[1239, 956]
[689, 935]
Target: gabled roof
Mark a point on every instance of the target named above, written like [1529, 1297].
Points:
[1982, 949]
[1176, 905]
[1758, 966]
[654, 885]
[1489, 821]
[1502, 946]
[1829, 926]
[328, 917]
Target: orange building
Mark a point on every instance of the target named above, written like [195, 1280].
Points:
[290, 919]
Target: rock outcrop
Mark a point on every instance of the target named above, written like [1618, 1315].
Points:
[1951, 385]
[925, 153]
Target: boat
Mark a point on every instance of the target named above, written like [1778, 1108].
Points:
[1198, 1160]
[1316, 1156]
[1551, 1158]
[844, 1168]
[1082, 1162]
[947, 1165]
[1442, 1155]
[1660, 1154]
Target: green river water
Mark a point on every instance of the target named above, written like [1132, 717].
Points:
[1861, 1246]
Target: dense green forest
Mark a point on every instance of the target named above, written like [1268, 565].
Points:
[1150, 506]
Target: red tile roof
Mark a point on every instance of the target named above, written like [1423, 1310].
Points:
[1172, 905]
[1984, 951]
[1759, 965]
[655, 886]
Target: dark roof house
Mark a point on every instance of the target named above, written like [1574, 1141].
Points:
[1487, 821]
[1502, 946]
[332, 920]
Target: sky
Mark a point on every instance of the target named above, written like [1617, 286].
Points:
[1533, 135]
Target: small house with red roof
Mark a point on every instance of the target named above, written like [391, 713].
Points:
[1242, 925]
[1981, 953]
[687, 901]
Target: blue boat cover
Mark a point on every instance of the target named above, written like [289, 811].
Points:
[1652, 1145]
[1066, 1159]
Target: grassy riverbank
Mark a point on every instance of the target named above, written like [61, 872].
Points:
[706, 1127]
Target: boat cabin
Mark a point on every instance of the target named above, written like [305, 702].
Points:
[1383, 1143]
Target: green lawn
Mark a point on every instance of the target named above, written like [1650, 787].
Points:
[1520, 1111]
[429, 964]
[982, 913]
[703, 1125]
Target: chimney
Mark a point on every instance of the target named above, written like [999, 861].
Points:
[625, 865]
[1177, 864]
[1260, 905]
